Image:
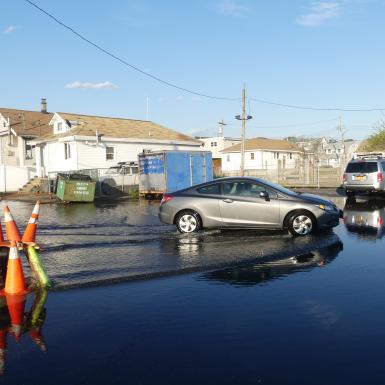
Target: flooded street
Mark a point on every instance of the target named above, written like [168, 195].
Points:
[254, 307]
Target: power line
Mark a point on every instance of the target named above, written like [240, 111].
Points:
[317, 108]
[100, 48]
[167, 83]
[297, 125]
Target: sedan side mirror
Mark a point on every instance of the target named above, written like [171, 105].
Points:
[264, 195]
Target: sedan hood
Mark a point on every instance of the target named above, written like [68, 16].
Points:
[311, 198]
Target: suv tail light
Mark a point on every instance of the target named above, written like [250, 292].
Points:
[380, 177]
[344, 178]
[165, 199]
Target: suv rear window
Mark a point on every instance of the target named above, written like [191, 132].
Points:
[363, 167]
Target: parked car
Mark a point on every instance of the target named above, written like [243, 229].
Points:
[118, 177]
[365, 174]
[247, 203]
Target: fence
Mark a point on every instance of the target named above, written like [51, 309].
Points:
[108, 182]
[304, 175]
[12, 178]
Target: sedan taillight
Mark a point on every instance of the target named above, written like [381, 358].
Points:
[380, 177]
[165, 199]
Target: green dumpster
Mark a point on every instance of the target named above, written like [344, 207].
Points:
[75, 188]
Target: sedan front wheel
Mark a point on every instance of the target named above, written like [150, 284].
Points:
[301, 223]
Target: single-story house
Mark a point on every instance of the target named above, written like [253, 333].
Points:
[77, 142]
[262, 153]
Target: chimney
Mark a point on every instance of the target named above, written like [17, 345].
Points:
[43, 105]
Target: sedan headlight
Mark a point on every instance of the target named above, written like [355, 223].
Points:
[326, 207]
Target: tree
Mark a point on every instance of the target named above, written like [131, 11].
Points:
[376, 141]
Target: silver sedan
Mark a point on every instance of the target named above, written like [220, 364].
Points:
[247, 203]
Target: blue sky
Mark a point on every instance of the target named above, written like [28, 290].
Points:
[309, 53]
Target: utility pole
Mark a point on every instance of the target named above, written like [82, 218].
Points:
[222, 124]
[342, 131]
[244, 117]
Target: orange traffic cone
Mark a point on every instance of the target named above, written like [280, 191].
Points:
[11, 229]
[30, 231]
[16, 304]
[14, 281]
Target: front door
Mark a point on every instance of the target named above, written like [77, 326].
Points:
[242, 206]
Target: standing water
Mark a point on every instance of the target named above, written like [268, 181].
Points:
[256, 308]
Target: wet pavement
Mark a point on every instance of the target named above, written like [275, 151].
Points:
[87, 244]
[254, 308]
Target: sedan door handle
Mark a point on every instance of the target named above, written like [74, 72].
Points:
[228, 200]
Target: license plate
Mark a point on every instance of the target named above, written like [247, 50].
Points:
[359, 177]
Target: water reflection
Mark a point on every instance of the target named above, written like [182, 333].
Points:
[365, 218]
[16, 322]
[270, 270]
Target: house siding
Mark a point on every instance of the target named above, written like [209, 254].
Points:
[89, 155]
[231, 161]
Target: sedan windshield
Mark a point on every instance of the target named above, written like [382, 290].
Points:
[280, 188]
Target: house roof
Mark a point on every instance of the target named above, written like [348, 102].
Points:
[28, 123]
[87, 125]
[35, 124]
[264, 144]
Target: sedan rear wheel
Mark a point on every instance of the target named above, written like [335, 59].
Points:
[301, 224]
[188, 222]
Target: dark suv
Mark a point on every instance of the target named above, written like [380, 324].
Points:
[365, 174]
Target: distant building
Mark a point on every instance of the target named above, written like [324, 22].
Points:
[328, 151]
[262, 153]
[216, 144]
[337, 154]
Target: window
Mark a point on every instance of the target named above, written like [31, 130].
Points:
[290, 155]
[214, 189]
[59, 126]
[67, 151]
[134, 170]
[247, 189]
[228, 158]
[252, 155]
[213, 144]
[110, 153]
[28, 151]
[362, 167]
[276, 155]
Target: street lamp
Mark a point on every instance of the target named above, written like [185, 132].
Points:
[244, 117]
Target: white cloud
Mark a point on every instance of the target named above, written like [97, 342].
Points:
[231, 8]
[9, 29]
[86, 85]
[319, 13]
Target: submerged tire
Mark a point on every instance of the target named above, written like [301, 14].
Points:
[301, 223]
[188, 222]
